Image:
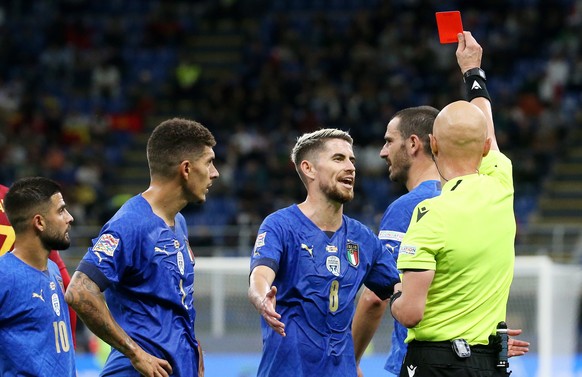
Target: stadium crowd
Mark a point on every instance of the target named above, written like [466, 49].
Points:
[79, 80]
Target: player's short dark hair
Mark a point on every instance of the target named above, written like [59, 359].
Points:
[417, 121]
[174, 141]
[27, 197]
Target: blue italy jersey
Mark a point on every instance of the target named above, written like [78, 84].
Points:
[393, 226]
[35, 329]
[317, 279]
[147, 271]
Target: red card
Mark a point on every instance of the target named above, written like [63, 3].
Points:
[449, 25]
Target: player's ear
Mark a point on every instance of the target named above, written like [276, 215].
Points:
[39, 222]
[433, 145]
[307, 168]
[414, 143]
[184, 169]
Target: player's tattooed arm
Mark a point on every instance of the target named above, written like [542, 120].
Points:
[85, 297]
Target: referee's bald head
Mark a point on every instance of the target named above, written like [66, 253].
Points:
[460, 130]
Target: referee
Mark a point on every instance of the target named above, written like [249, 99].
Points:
[458, 254]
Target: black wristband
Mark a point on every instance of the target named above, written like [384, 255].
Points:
[474, 72]
[475, 87]
[393, 298]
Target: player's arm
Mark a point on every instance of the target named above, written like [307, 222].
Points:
[469, 54]
[371, 308]
[86, 298]
[408, 306]
[263, 296]
[367, 319]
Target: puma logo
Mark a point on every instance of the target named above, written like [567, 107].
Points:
[309, 250]
[38, 295]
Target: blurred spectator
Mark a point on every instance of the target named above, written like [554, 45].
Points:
[187, 76]
[556, 75]
[106, 80]
[78, 77]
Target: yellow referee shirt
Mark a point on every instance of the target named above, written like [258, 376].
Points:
[466, 235]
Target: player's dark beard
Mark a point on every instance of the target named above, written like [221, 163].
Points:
[336, 195]
[401, 175]
[51, 240]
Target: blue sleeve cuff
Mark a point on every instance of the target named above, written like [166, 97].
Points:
[271, 263]
[94, 274]
[382, 292]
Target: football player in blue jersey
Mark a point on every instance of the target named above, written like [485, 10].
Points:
[308, 263]
[143, 263]
[35, 329]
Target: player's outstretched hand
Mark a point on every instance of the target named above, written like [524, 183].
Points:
[516, 347]
[150, 366]
[469, 52]
[268, 312]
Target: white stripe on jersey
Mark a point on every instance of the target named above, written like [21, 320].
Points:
[391, 235]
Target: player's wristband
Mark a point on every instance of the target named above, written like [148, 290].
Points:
[393, 298]
[475, 85]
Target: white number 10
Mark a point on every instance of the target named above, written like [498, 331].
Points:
[61, 337]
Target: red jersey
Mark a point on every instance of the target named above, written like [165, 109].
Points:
[7, 236]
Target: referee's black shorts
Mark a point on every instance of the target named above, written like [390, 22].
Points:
[437, 359]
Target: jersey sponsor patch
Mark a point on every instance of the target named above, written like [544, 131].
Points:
[353, 254]
[333, 264]
[106, 244]
[190, 251]
[331, 249]
[391, 235]
[56, 304]
[260, 242]
[408, 249]
[180, 260]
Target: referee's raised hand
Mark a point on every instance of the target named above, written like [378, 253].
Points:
[469, 52]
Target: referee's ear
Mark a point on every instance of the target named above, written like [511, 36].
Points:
[487, 146]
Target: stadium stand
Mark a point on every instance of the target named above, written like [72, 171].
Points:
[83, 82]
